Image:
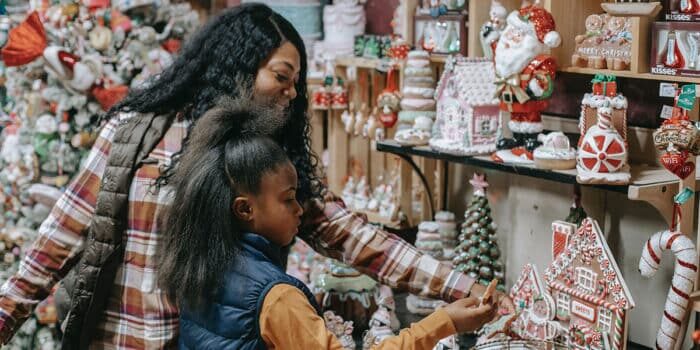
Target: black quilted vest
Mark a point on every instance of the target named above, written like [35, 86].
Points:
[82, 294]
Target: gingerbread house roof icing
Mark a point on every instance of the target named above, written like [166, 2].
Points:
[528, 275]
[473, 86]
[588, 244]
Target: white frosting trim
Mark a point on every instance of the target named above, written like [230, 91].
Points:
[554, 153]
[428, 226]
[418, 71]
[457, 148]
[525, 127]
[418, 91]
[417, 62]
[620, 177]
[418, 104]
[445, 216]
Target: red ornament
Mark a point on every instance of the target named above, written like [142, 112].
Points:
[172, 45]
[25, 43]
[674, 160]
[388, 102]
[108, 97]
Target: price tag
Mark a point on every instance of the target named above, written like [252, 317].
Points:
[667, 89]
[686, 100]
[666, 112]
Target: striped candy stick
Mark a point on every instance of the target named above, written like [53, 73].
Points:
[684, 275]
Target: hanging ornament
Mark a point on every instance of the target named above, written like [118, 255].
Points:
[678, 136]
[388, 101]
[25, 43]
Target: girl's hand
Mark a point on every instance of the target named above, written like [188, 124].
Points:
[502, 301]
[468, 315]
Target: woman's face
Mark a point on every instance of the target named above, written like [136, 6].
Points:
[278, 76]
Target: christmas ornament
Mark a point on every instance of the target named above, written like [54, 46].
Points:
[555, 152]
[590, 295]
[467, 109]
[388, 101]
[478, 254]
[25, 42]
[524, 75]
[448, 232]
[607, 43]
[602, 152]
[346, 292]
[341, 329]
[491, 30]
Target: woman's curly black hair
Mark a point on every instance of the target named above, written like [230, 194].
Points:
[222, 59]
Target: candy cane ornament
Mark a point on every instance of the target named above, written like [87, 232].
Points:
[682, 283]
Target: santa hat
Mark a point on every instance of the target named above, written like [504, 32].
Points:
[537, 21]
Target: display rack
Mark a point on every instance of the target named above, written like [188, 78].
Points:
[650, 183]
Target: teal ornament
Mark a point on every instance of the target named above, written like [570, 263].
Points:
[372, 49]
[359, 47]
[486, 272]
[495, 253]
[484, 247]
[485, 259]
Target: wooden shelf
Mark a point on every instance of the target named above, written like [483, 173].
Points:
[652, 184]
[374, 63]
[642, 175]
[360, 62]
[628, 74]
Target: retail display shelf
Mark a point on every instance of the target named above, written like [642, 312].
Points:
[643, 176]
[627, 74]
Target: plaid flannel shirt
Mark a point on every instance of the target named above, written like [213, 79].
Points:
[139, 315]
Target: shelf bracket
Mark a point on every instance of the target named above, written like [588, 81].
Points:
[660, 196]
[423, 180]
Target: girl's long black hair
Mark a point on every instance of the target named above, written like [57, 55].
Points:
[225, 158]
[222, 59]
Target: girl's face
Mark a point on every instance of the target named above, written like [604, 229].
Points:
[275, 212]
[278, 76]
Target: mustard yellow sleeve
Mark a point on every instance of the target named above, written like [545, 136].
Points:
[422, 335]
[288, 321]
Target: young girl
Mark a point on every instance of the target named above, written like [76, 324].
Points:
[233, 213]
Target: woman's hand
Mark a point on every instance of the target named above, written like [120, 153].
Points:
[468, 315]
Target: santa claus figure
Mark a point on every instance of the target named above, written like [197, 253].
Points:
[525, 74]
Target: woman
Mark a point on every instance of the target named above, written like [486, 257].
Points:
[100, 239]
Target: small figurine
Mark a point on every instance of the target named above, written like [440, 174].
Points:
[491, 30]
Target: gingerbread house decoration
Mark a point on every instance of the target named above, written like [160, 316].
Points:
[591, 297]
[602, 154]
[527, 287]
[467, 120]
[561, 231]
